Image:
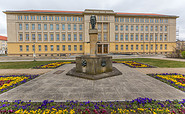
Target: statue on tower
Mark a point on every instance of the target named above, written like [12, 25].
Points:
[93, 21]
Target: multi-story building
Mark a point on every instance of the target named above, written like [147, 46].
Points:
[55, 33]
[3, 44]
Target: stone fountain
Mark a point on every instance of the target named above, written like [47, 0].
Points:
[93, 66]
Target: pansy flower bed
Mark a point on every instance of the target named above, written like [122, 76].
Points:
[173, 79]
[52, 65]
[9, 82]
[134, 64]
[139, 105]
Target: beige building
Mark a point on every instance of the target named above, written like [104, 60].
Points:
[56, 33]
[3, 44]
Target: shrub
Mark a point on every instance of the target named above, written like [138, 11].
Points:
[183, 54]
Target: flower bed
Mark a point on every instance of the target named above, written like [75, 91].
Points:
[173, 79]
[139, 105]
[9, 82]
[52, 65]
[134, 64]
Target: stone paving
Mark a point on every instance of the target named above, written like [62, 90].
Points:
[60, 87]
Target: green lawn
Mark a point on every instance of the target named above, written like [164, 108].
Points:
[152, 62]
[158, 62]
[23, 65]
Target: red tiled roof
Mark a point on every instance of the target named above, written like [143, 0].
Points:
[141, 14]
[3, 38]
[52, 11]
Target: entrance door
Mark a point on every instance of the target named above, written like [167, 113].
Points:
[99, 48]
[105, 48]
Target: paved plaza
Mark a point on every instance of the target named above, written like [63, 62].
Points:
[56, 85]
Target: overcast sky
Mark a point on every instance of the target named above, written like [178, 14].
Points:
[170, 7]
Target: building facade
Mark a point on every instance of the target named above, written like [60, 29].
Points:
[3, 45]
[56, 33]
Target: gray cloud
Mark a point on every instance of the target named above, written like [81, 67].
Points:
[170, 7]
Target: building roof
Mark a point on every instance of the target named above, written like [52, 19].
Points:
[3, 38]
[81, 12]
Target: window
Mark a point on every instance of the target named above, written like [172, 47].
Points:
[63, 26]
[51, 47]
[126, 47]
[63, 47]
[126, 19]
[116, 47]
[74, 27]
[151, 37]
[165, 28]
[45, 37]
[116, 19]
[69, 37]
[69, 47]
[39, 26]
[39, 35]
[116, 28]
[126, 36]
[161, 37]
[146, 46]
[165, 46]
[63, 37]
[75, 47]
[27, 27]
[156, 28]
[156, 46]
[161, 20]
[33, 47]
[121, 37]
[99, 36]
[51, 37]
[142, 20]
[51, 26]
[45, 26]
[56, 18]
[156, 20]
[151, 47]
[151, 20]
[151, 28]
[116, 37]
[58, 37]
[80, 47]
[146, 36]
[146, 20]
[141, 28]
[132, 47]
[165, 20]
[75, 38]
[156, 37]
[99, 26]
[27, 47]
[146, 28]
[39, 47]
[137, 28]
[20, 37]
[132, 37]
[105, 27]
[69, 27]
[141, 37]
[62, 18]
[161, 47]
[68, 18]
[136, 47]
[33, 36]
[121, 28]
[57, 26]
[126, 27]
[105, 36]
[20, 26]
[80, 37]
[132, 28]
[46, 47]
[121, 47]
[137, 20]
[80, 27]
[141, 47]
[131, 19]
[20, 47]
[161, 28]
[136, 36]
[165, 37]
[33, 26]
[27, 37]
